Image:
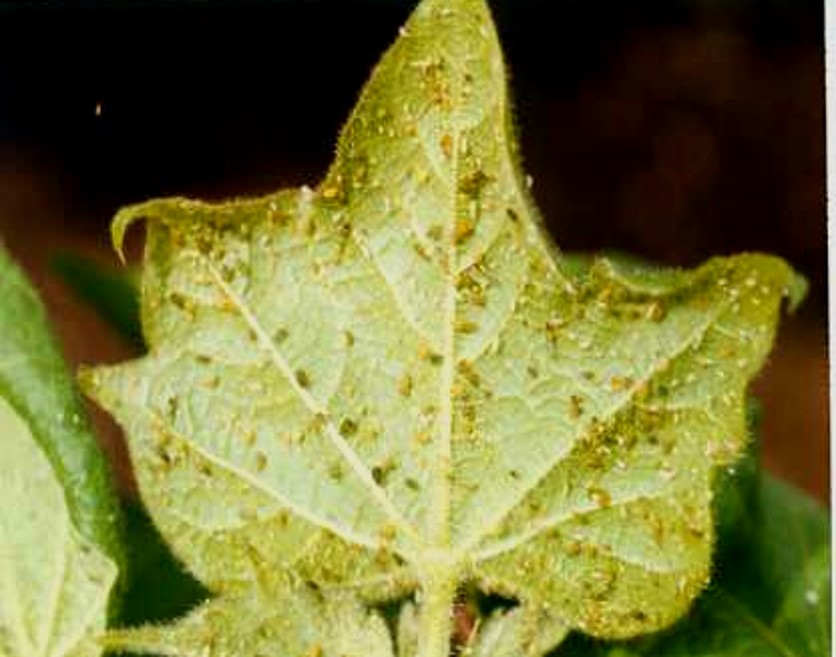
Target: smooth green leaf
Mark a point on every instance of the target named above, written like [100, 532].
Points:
[158, 587]
[35, 382]
[59, 533]
[389, 386]
[803, 621]
[54, 582]
[113, 294]
[761, 560]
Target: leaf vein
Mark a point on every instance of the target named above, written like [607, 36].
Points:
[661, 365]
[356, 464]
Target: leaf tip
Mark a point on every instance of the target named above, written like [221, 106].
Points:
[123, 220]
[796, 291]
[787, 282]
[130, 214]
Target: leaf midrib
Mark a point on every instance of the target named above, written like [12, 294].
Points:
[439, 515]
[357, 466]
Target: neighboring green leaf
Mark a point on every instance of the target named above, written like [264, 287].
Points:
[158, 587]
[112, 293]
[406, 632]
[737, 492]
[763, 560]
[389, 386]
[35, 382]
[803, 621]
[54, 582]
[771, 597]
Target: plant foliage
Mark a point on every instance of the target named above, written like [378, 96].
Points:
[59, 534]
[388, 386]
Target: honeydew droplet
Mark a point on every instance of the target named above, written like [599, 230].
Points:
[811, 597]
[667, 474]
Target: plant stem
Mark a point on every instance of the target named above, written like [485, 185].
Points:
[436, 621]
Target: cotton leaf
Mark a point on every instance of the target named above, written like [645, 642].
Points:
[280, 619]
[772, 594]
[59, 530]
[34, 380]
[388, 385]
[505, 632]
[54, 583]
[112, 294]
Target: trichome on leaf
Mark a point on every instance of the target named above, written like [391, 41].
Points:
[390, 388]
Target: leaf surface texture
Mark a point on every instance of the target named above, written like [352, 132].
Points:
[772, 593]
[388, 385]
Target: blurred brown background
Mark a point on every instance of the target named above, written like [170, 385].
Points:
[674, 129]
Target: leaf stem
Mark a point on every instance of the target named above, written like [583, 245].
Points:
[436, 619]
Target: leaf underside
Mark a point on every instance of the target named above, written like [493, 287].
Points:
[772, 594]
[388, 386]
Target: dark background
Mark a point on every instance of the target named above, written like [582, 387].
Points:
[672, 129]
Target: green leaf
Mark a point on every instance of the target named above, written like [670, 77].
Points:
[35, 382]
[803, 621]
[388, 386]
[60, 542]
[775, 571]
[112, 293]
[277, 618]
[771, 595]
[158, 588]
[504, 632]
[761, 562]
[54, 582]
